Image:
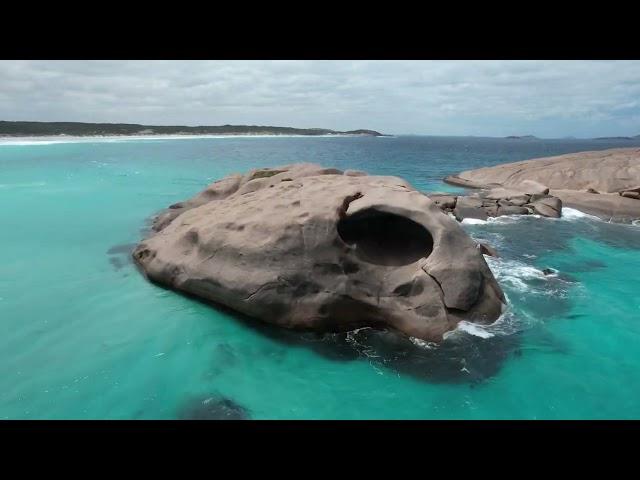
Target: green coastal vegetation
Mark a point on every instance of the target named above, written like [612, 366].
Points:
[79, 129]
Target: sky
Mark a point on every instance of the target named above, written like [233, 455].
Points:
[548, 99]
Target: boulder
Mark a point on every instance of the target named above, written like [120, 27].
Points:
[531, 187]
[499, 201]
[519, 200]
[469, 207]
[492, 211]
[512, 210]
[502, 193]
[304, 247]
[547, 206]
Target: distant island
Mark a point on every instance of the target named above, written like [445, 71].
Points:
[637, 137]
[523, 137]
[79, 129]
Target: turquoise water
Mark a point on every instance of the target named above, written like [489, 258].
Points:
[84, 336]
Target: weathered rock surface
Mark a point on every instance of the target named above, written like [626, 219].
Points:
[607, 171]
[306, 247]
[601, 183]
[608, 206]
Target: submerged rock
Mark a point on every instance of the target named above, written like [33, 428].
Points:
[212, 408]
[307, 247]
[120, 255]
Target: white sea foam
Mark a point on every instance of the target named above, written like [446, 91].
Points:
[572, 214]
[473, 221]
[423, 343]
[513, 273]
[500, 219]
[506, 218]
[22, 185]
[474, 329]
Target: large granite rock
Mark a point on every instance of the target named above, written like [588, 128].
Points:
[306, 247]
[602, 183]
[606, 171]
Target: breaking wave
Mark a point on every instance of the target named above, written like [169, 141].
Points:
[573, 214]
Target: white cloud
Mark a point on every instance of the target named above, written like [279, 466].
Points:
[544, 98]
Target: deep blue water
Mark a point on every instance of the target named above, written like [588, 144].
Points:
[84, 335]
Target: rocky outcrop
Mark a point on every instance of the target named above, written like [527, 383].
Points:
[306, 247]
[530, 198]
[602, 183]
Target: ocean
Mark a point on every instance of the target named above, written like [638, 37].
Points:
[83, 335]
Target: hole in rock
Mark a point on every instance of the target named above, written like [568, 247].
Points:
[385, 238]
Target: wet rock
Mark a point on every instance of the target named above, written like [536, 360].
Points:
[487, 249]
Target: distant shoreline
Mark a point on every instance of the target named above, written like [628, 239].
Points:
[59, 139]
[188, 135]
[80, 129]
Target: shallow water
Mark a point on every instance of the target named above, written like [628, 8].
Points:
[84, 335]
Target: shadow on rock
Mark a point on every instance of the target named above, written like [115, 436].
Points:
[212, 408]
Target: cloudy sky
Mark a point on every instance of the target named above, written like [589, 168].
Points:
[492, 98]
